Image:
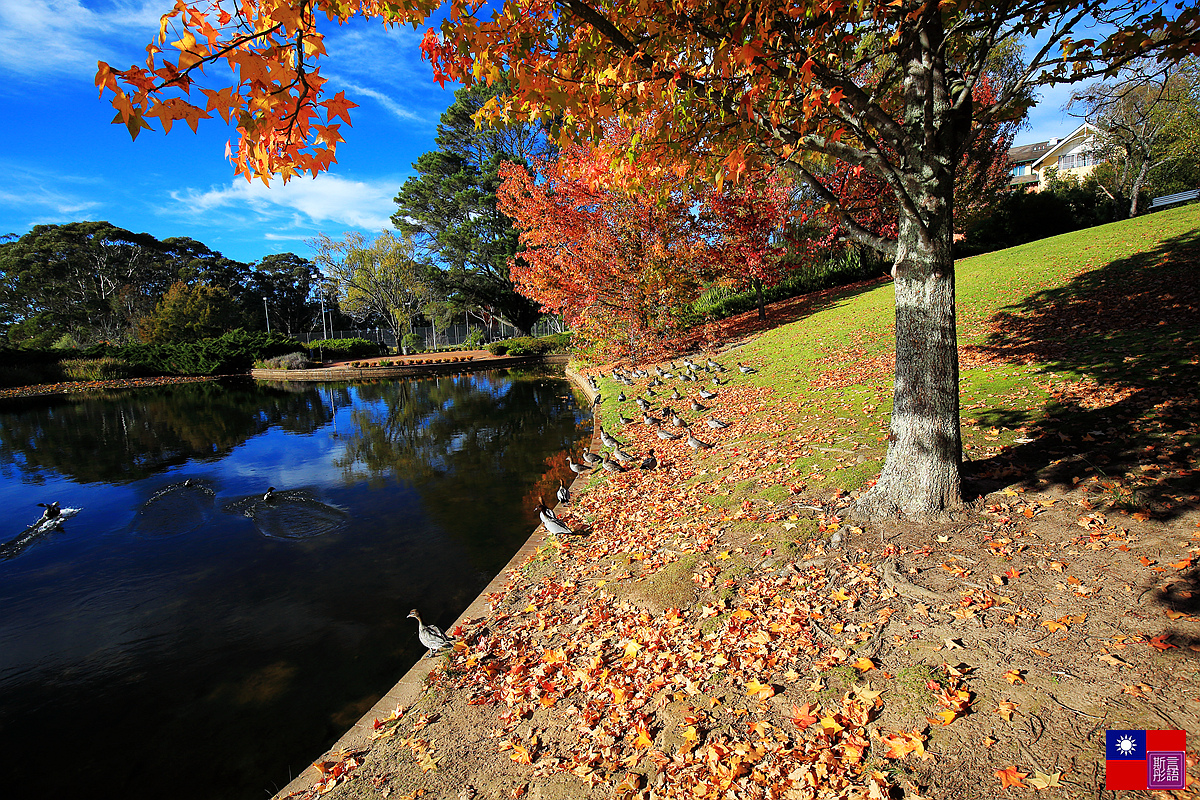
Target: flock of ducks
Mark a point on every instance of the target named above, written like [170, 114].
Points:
[615, 459]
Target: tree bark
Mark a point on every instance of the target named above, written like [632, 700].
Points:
[921, 477]
[758, 295]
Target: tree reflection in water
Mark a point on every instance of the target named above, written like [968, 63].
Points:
[243, 641]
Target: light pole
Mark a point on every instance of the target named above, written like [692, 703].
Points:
[267, 314]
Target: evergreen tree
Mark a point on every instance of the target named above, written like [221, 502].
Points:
[449, 209]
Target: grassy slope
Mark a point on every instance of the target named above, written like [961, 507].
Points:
[832, 371]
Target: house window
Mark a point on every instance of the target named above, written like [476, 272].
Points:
[1075, 161]
[1019, 170]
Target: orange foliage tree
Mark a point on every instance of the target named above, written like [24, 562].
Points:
[620, 265]
[886, 85]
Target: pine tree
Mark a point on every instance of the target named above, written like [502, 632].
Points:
[449, 209]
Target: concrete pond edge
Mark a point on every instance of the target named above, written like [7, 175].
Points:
[408, 689]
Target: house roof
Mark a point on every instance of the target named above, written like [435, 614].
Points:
[1069, 141]
[1027, 152]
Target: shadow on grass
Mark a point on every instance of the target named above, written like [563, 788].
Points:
[779, 313]
[1128, 332]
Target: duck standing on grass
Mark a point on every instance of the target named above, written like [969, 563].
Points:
[431, 636]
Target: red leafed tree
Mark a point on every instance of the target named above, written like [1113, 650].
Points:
[748, 220]
[618, 264]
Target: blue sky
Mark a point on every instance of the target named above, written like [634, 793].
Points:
[61, 160]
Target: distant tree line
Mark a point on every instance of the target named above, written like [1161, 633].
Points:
[77, 284]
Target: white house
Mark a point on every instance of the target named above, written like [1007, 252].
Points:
[1074, 154]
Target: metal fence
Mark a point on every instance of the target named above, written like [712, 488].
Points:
[452, 336]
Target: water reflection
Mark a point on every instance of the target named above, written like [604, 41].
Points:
[126, 435]
[227, 655]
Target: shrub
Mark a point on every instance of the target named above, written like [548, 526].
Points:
[95, 369]
[499, 348]
[235, 351]
[474, 339]
[332, 349]
[297, 360]
[412, 343]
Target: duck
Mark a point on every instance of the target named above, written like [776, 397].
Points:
[695, 443]
[589, 458]
[609, 465]
[707, 395]
[544, 512]
[270, 494]
[607, 440]
[713, 422]
[663, 433]
[649, 420]
[651, 393]
[563, 494]
[578, 469]
[620, 397]
[716, 380]
[51, 511]
[650, 461]
[624, 420]
[642, 404]
[431, 636]
[697, 407]
[621, 455]
[742, 368]
[677, 420]
[711, 364]
[675, 395]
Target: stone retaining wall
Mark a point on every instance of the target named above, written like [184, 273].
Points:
[345, 373]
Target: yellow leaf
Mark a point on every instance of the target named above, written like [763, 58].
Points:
[830, 725]
[864, 665]
[760, 691]
[1041, 780]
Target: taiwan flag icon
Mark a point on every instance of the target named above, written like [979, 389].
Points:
[1144, 759]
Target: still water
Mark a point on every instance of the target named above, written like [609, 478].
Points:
[178, 636]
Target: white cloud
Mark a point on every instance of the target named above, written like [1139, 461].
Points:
[392, 107]
[302, 203]
[55, 37]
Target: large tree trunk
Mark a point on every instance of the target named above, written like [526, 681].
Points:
[921, 475]
[758, 295]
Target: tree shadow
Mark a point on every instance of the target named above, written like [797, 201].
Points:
[1127, 337]
[738, 327]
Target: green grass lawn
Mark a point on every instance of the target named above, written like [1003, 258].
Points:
[1084, 346]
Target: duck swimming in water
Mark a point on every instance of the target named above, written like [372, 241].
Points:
[52, 511]
[266, 498]
[431, 636]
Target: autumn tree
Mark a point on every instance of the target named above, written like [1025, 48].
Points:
[375, 277]
[620, 265]
[888, 85]
[748, 222]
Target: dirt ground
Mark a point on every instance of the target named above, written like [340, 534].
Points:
[692, 641]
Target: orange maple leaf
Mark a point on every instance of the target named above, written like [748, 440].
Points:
[802, 716]
[1010, 776]
[1160, 642]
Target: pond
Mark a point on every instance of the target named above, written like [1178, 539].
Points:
[174, 634]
